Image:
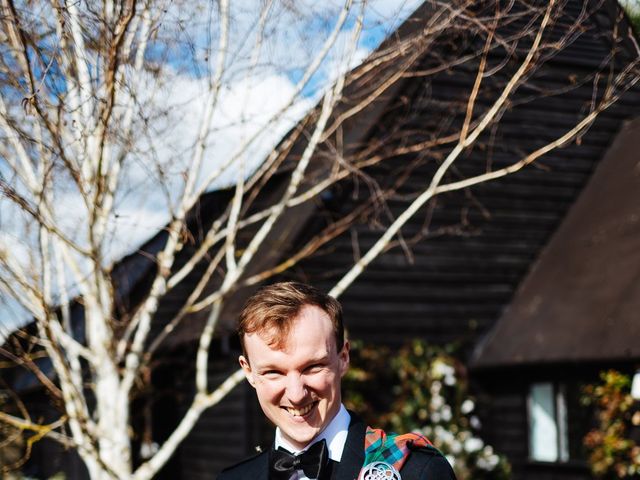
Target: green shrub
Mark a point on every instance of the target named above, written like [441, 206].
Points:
[612, 453]
[424, 389]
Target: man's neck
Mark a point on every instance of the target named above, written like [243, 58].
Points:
[335, 434]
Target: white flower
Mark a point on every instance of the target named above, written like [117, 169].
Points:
[474, 422]
[436, 386]
[473, 444]
[148, 449]
[487, 459]
[437, 402]
[446, 413]
[482, 464]
[449, 438]
[444, 435]
[450, 380]
[456, 447]
[493, 461]
[440, 369]
[467, 406]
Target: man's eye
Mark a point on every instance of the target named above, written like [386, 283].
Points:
[314, 368]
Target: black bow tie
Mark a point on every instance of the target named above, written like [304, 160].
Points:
[283, 464]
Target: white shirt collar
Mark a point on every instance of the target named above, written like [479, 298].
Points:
[335, 434]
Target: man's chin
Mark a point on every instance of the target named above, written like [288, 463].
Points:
[300, 431]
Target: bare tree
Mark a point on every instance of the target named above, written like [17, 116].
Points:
[85, 118]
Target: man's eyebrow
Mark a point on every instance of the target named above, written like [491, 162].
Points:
[267, 366]
[318, 359]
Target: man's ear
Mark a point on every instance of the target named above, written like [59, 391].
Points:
[244, 363]
[344, 358]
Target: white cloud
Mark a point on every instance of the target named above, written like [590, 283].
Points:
[244, 108]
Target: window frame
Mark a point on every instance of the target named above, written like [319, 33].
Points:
[560, 423]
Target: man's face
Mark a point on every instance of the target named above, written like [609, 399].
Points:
[298, 385]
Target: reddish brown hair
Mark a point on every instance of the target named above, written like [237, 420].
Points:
[272, 309]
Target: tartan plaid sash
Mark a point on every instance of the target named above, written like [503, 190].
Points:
[391, 448]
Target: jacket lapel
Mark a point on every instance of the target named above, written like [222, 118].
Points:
[353, 453]
[261, 472]
[257, 468]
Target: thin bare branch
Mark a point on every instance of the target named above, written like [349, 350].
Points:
[395, 227]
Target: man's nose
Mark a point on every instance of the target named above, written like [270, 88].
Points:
[296, 389]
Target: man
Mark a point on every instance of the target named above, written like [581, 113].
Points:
[295, 355]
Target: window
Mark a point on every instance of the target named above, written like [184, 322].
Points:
[548, 438]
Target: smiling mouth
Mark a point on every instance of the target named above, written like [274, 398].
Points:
[300, 412]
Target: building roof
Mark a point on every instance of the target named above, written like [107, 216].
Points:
[581, 300]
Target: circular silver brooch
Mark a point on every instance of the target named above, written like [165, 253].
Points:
[379, 471]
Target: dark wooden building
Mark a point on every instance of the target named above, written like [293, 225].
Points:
[461, 268]
[575, 314]
[463, 259]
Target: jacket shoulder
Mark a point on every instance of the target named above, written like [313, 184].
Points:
[427, 463]
[251, 467]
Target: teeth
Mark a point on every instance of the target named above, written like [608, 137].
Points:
[299, 412]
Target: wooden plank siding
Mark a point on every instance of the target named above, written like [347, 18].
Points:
[220, 438]
[465, 253]
[224, 434]
[479, 243]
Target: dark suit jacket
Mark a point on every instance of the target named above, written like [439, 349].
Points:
[423, 464]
